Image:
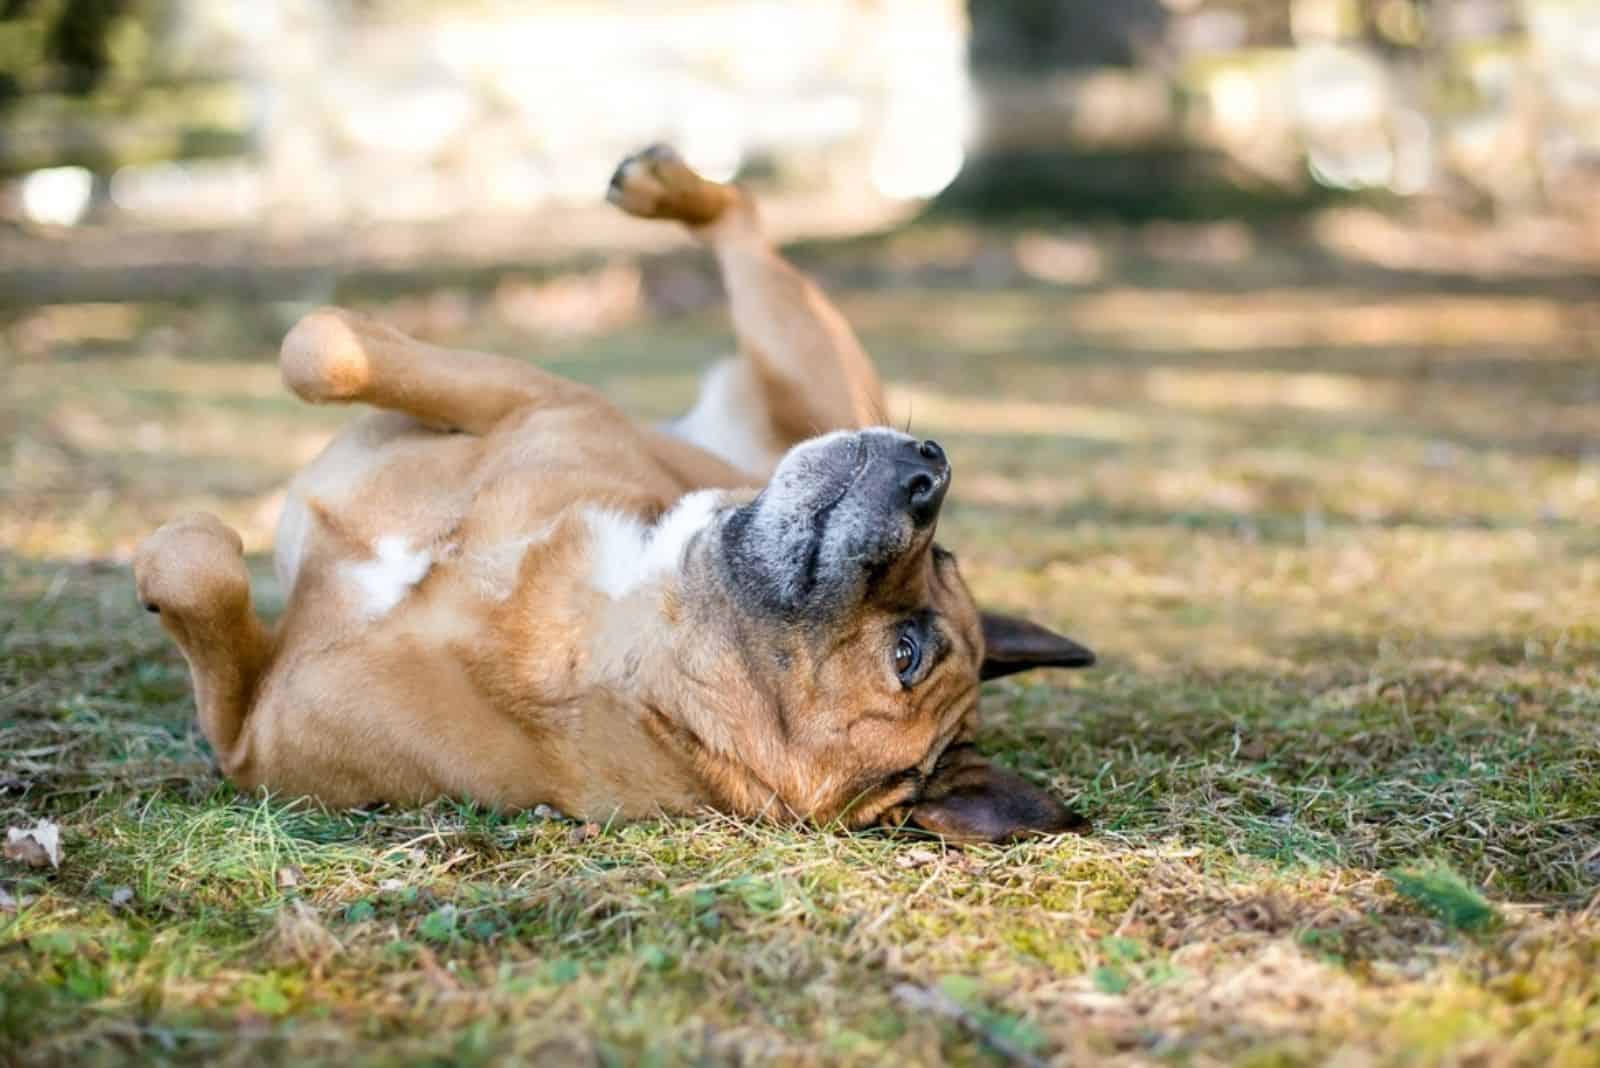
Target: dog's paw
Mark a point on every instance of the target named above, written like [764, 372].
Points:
[322, 359]
[192, 568]
[657, 184]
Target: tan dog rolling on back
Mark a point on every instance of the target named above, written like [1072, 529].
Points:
[499, 588]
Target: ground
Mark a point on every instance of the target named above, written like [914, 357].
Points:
[1331, 525]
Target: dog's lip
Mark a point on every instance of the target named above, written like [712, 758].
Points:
[917, 776]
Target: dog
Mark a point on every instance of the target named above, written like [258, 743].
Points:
[501, 589]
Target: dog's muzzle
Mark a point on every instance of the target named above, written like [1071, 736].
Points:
[838, 508]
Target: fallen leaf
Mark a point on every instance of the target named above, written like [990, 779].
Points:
[574, 1051]
[36, 847]
[251, 1022]
[1097, 1001]
[582, 833]
[7, 902]
[961, 862]
[299, 935]
[121, 896]
[288, 877]
[437, 975]
[1591, 864]
[545, 812]
[915, 858]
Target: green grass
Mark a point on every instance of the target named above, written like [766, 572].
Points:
[1444, 893]
[1335, 543]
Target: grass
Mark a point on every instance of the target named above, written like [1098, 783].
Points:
[1334, 539]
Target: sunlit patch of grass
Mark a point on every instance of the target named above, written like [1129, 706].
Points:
[1349, 695]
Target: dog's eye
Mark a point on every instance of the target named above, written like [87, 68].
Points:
[907, 655]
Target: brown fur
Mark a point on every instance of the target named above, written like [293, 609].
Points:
[445, 636]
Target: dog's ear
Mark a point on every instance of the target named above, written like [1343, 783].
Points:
[1011, 645]
[968, 799]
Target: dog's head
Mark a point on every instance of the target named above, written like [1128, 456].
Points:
[858, 635]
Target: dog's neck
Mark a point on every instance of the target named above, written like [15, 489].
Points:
[658, 649]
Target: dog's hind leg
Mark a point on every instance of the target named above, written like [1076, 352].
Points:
[192, 572]
[338, 356]
[801, 361]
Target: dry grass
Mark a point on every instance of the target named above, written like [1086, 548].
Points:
[1335, 542]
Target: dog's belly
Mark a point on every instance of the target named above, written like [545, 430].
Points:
[440, 591]
[402, 720]
[343, 504]
[391, 502]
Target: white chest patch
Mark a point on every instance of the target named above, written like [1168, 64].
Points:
[625, 555]
[720, 421]
[382, 582]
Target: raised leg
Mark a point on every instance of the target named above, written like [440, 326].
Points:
[334, 355]
[192, 572]
[809, 371]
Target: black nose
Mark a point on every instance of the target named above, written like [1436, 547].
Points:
[924, 477]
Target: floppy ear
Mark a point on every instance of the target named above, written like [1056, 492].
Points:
[1011, 645]
[968, 799]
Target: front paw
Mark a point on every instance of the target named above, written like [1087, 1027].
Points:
[657, 184]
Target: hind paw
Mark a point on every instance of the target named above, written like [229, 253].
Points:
[192, 564]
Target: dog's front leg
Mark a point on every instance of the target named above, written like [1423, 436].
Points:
[812, 373]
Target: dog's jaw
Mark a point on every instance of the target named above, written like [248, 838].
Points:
[637, 573]
[659, 648]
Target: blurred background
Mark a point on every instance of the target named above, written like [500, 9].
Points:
[301, 115]
[1161, 269]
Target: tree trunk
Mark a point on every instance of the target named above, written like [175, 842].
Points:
[1078, 116]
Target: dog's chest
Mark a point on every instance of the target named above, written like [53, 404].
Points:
[437, 533]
